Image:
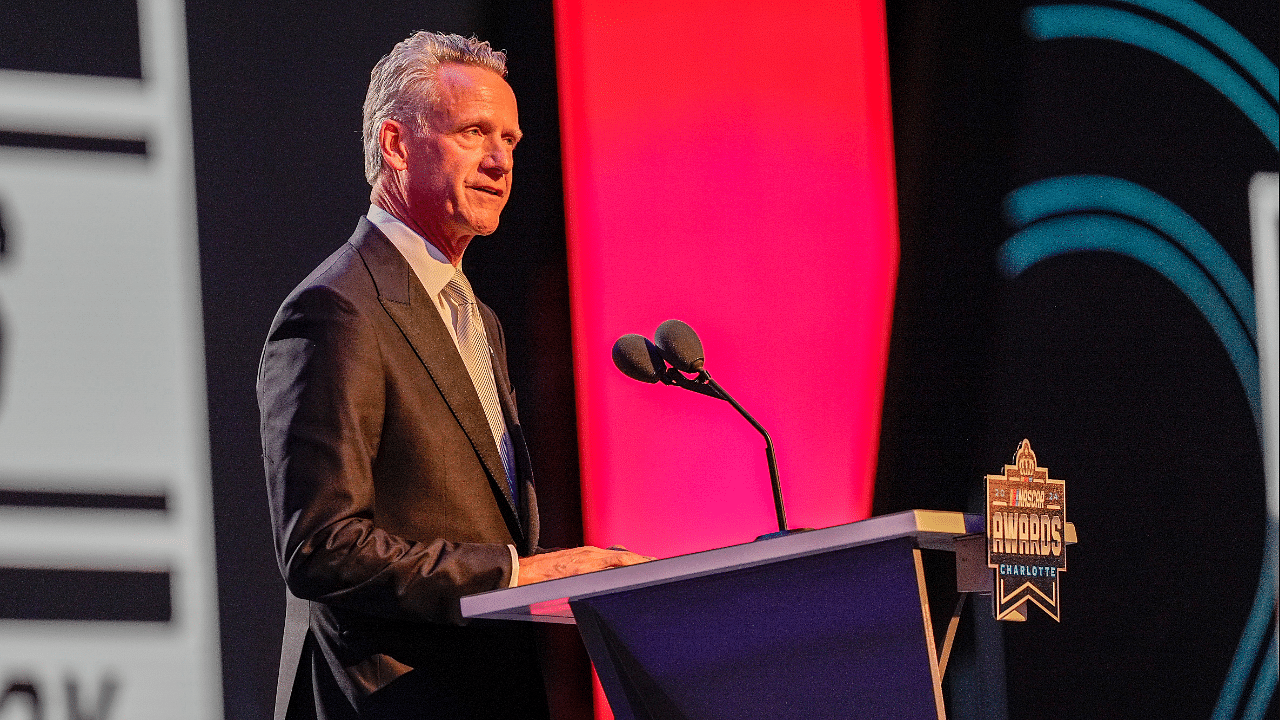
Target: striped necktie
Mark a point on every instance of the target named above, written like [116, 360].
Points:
[474, 348]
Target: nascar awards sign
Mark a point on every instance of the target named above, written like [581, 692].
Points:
[1026, 536]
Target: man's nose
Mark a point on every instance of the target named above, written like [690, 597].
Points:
[498, 158]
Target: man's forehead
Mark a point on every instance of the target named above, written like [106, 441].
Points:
[456, 80]
[470, 93]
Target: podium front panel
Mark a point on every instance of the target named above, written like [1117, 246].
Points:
[834, 635]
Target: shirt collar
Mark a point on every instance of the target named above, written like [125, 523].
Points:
[430, 265]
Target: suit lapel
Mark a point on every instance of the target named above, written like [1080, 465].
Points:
[415, 314]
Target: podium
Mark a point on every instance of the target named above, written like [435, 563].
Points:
[828, 623]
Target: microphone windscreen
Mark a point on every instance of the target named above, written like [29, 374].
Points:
[637, 358]
[679, 345]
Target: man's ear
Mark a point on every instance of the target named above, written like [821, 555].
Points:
[393, 141]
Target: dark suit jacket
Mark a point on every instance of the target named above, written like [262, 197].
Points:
[389, 500]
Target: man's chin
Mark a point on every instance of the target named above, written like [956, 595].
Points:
[484, 228]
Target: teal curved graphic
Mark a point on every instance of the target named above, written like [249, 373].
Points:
[1255, 630]
[1219, 33]
[1100, 193]
[1091, 194]
[1050, 22]
[1093, 232]
[1260, 699]
[1062, 215]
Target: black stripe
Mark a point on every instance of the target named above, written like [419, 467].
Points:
[82, 500]
[95, 595]
[46, 141]
[102, 37]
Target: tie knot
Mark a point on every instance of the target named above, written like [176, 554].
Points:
[459, 289]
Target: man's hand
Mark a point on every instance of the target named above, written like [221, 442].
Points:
[574, 561]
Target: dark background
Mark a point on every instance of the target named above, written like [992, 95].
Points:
[1120, 384]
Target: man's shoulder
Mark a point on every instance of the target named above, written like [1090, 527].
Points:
[343, 270]
[355, 269]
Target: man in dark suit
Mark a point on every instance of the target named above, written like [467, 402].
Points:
[397, 473]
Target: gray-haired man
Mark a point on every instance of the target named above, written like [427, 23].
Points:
[396, 468]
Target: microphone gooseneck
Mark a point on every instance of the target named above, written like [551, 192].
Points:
[778, 506]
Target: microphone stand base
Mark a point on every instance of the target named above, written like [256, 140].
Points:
[781, 533]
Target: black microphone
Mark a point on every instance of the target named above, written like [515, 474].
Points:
[638, 359]
[680, 346]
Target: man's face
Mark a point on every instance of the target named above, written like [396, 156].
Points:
[459, 165]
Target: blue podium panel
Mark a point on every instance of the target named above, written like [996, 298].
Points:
[835, 635]
[831, 623]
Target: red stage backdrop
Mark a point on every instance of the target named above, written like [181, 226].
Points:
[729, 164]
